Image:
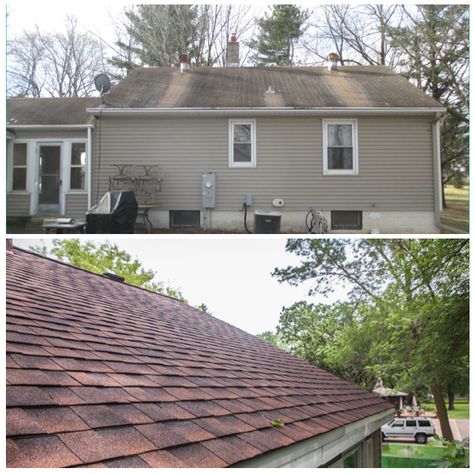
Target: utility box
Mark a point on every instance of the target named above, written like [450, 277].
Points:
[267, 222]
[208, 190]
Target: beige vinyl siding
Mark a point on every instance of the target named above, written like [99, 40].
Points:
[76, 205]
[395, 162]
[50, 134]
[18, 204]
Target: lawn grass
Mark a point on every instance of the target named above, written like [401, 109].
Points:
[402, 455]
[456, 213]
[461, 411]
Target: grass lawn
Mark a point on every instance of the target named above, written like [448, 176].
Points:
[461, 411]
[456, 213]
[401, 455]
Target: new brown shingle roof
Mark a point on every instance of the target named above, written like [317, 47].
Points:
[104, 374]
[299, 87]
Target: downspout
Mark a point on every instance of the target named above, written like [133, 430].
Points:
[438, 202]
[89, 166]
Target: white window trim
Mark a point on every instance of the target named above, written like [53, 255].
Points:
[13, 166]
[253, 135]
[355, 147]
[70, 166]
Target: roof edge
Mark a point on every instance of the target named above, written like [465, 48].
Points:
[262, 110]
[318, 447]
[69, 127]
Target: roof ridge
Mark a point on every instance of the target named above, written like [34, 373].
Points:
[46, 257]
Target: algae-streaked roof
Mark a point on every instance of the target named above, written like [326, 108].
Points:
[373, 87]
[104, 374]
[299, 87]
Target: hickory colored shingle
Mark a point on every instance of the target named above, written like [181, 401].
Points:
[44, 451]
[98, 445]
[196, 455]
[231, 449]
[173, 433]
[101, 416]
[28, 421]
[165, 411]
[129, 378]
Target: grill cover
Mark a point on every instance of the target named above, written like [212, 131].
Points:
[115, 213]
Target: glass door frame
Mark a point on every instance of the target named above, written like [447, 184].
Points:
[59, 208]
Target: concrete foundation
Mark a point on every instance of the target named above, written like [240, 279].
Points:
[380, 222]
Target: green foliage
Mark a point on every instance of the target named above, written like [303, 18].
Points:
[274, 44]
[106, 257]
[433, 44]
[407, 315]
[159, 35]
[277, 423]
[455, 454]
[202, 307]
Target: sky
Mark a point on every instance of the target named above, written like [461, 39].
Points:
[231, 275]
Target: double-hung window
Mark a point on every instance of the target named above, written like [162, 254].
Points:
[242, 143]
[340, 152]
[19, 167]
[78, 167]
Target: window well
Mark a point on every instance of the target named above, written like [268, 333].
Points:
[185, 219]
[346, 220]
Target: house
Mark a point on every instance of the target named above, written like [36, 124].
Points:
[358, 143]
[396, 398]
[104, 374]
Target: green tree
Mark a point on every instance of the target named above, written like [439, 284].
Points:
[414, 297]
[106, 257]
[275, 42]
[433, 43]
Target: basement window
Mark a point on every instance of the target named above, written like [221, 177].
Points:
[185, 219]
[19, 167]
[346, 220]
[340, 154]
[242, 143]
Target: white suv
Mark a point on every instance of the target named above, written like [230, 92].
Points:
[419, 428]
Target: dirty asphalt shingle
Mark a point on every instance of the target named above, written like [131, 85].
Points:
[150, 380]
[294, 87]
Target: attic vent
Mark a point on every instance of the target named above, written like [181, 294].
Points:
[114, 277]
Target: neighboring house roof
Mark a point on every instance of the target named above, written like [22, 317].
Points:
[49, 111]
[385, 391]
[102, 373]
[298, 87]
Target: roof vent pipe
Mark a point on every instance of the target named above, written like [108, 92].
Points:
[333, 59]
[184, 62]
[114, 277]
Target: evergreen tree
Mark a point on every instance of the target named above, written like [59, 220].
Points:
[434, 54]
[278, 31]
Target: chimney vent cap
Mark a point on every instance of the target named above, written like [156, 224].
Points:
[333, 59]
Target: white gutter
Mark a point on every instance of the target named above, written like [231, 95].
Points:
[323, 448]
[265, 110]
[89, 166]
[56, 127]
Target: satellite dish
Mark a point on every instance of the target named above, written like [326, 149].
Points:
[102, 83]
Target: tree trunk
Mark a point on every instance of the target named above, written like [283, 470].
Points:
[442, 412]
[450, 397]
[443, 196]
